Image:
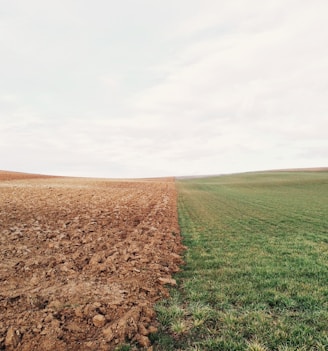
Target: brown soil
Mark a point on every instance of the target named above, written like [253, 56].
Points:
[82, 261]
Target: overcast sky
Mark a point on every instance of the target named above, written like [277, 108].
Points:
[154, 88]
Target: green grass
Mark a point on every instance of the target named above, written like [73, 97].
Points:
[256, 273]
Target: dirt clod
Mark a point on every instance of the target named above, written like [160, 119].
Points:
[99, 320]
[143, 330]
[12, 339]
[152, 330]
[108, 334]
[167, 281]
[143, 340]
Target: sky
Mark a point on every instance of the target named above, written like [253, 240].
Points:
[154, 88]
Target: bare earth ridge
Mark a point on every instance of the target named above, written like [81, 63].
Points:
[82, 261]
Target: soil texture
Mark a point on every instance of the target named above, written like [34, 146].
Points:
[82, 261]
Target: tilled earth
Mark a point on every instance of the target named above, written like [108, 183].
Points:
[82, 261]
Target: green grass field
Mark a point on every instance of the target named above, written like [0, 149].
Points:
[256, 273]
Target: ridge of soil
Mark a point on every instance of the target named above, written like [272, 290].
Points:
[82, 261]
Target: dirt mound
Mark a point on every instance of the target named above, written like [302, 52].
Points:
[83, 261]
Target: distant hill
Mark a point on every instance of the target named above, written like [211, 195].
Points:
[316, 169]
[313, 169]
[9, 175]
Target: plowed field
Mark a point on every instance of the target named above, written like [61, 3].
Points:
[82, 261]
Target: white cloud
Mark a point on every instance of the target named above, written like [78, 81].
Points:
[156, 89]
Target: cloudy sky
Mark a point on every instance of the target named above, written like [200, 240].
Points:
[154, 88]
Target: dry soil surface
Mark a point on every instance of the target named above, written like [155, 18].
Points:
[82, 261]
